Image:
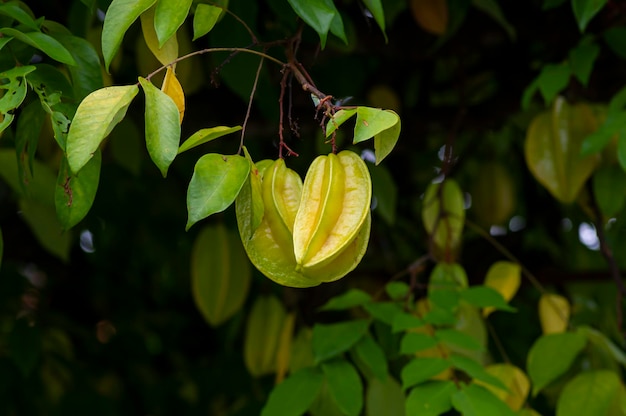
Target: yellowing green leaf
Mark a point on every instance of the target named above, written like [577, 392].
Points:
[514, 379]
[338, 119]
[119, 16]
[14, 93]
[95, 117]
[162, 126]
[206, 135]
[166, 53]
[386, 140]
[174, 90]
[554, 313]
[220, 274]
[505, 277]
[553, 147]
[373, 121]
[75, 193]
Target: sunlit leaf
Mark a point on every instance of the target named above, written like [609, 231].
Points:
[551, 356]
[386, 140]
[45, 43]
[338, 119]
[505, 277]
[168, 17]
[216, 182]
[475, 400]
[75, 192]
[554, 312]
[433, 398]
[553, 148]
[14, 94]
[294, 396]
[344, 385]
[119, 16]
[165, 53]
[419, 370]
[220, 274]
[206, 135]
[330, 340]
[204, 19]
[162, 126]
[373, 121]
[95, 117]
[585, 10]
[589, 393]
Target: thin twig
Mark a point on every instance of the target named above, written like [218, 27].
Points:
[245, 120]
[240, 20]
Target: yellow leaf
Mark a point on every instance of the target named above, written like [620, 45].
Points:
[169, 51]
[172, 87]
[505, 277]
[431, 15]
[554, 313]
[283, 353]
[514, 379]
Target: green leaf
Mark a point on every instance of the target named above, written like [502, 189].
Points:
[27, 135]
[206, 135]
[403, 321]
[596, 141]
[384, 397]
[119, 16]
[216, 182]
[348, 300]
[413, 342]
[220, 274]
[45, 43]
[386, 140]
[475, 370]
[318, 14]
[165, 53]
[455, 338]
[599, 340]
[294, 395]
[95, 117]
[344, 385]
[376, 8]
[551, 356]
[430, 399]
[333, 339]
[383, 311]
[16, 89]
[615, 37]
[338, 119]
[14, 11]
[621, 149]
[553, 147]
[336, 27]
[204, 19]
[86, 73]
[372, 355]
[483, 296]
[162, 126]
[371, 122]
[419, 370]
[552, 80]
[168, 17]
[475, 400]
[529, 93]
[582, 59]
[493, 10]
[75, 193]
[585, 10]
[607, 182]
[589, 393]
[397, 290]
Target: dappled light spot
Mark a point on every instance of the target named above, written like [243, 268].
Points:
[86, 241]
[587, 235]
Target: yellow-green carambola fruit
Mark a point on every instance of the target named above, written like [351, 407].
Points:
[335, 205]
[270, 244]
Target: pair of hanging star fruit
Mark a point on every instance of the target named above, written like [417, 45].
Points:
[303, 234]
